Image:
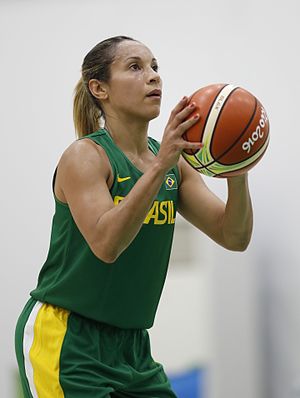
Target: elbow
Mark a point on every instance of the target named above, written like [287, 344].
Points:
[238, 243]
[240, 246]
[108, 256]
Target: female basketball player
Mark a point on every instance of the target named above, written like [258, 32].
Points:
[83, 333]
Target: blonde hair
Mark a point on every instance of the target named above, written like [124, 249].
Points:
[86, 114]
[87, 111]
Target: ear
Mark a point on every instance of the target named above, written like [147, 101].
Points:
[98, 89]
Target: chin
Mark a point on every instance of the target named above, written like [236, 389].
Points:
[148, 115]
[154, 114]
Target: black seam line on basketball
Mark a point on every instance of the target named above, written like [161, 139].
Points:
[240, 136]
[207, 115]
[211, 172]
[242, 133]
[236, 163]
[219, 115]
[212, 104]
[204, 167]
[232, 145]
[197, 160]
[199, 168]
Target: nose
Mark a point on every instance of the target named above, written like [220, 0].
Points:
[153, 76]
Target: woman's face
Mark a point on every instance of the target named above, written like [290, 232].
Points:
[134, 89]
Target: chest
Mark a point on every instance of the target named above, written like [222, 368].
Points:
[164, 206]
[141, 163]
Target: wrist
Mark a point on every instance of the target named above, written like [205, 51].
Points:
[239, 179]
[159, 167]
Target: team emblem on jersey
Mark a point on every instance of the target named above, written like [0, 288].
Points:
[170, 182]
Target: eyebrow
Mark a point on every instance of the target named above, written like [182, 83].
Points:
[138, 58]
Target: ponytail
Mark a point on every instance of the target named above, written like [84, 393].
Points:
[86, 114]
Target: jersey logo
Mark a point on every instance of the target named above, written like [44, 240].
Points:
[163, 212]
[170, 182]
[122, 179]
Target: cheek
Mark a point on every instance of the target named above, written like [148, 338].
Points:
[126, 90]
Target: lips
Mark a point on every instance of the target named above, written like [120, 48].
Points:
[154, 93]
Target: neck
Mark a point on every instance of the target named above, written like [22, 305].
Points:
[129, 135]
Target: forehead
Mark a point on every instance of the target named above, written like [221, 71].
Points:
[131, 49]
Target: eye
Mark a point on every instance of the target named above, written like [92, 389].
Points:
[155, 67]
[135, 67]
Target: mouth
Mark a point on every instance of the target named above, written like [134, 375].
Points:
[155, 93]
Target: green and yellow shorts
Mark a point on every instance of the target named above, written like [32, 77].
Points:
[64, 355]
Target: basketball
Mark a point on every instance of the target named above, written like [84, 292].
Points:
[233, 127]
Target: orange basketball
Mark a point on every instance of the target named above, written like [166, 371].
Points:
[233, 127]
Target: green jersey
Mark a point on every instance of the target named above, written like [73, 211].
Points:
[125, 293]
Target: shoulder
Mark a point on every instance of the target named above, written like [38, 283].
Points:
[83, 160]
[84, 153]
[80, 148]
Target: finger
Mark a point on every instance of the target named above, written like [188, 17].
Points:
[188, 123]
[192, 145]
[181, 105]
[184, 113]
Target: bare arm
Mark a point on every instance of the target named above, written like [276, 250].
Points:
[84, 172]
[230, 224]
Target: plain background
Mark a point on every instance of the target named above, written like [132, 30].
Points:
[235, 314]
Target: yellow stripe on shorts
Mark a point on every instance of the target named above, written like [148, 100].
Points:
[49, 325]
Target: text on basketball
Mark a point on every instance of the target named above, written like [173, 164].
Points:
[257, 134]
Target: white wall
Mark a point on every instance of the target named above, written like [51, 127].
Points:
[245, 307]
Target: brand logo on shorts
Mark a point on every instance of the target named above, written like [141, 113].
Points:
[170, 182]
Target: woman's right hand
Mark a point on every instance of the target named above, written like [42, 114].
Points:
[173, 143]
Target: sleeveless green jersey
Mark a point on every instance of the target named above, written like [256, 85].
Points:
[125, 293]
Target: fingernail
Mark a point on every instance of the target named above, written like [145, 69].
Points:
[196, 116]
[183, 98]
